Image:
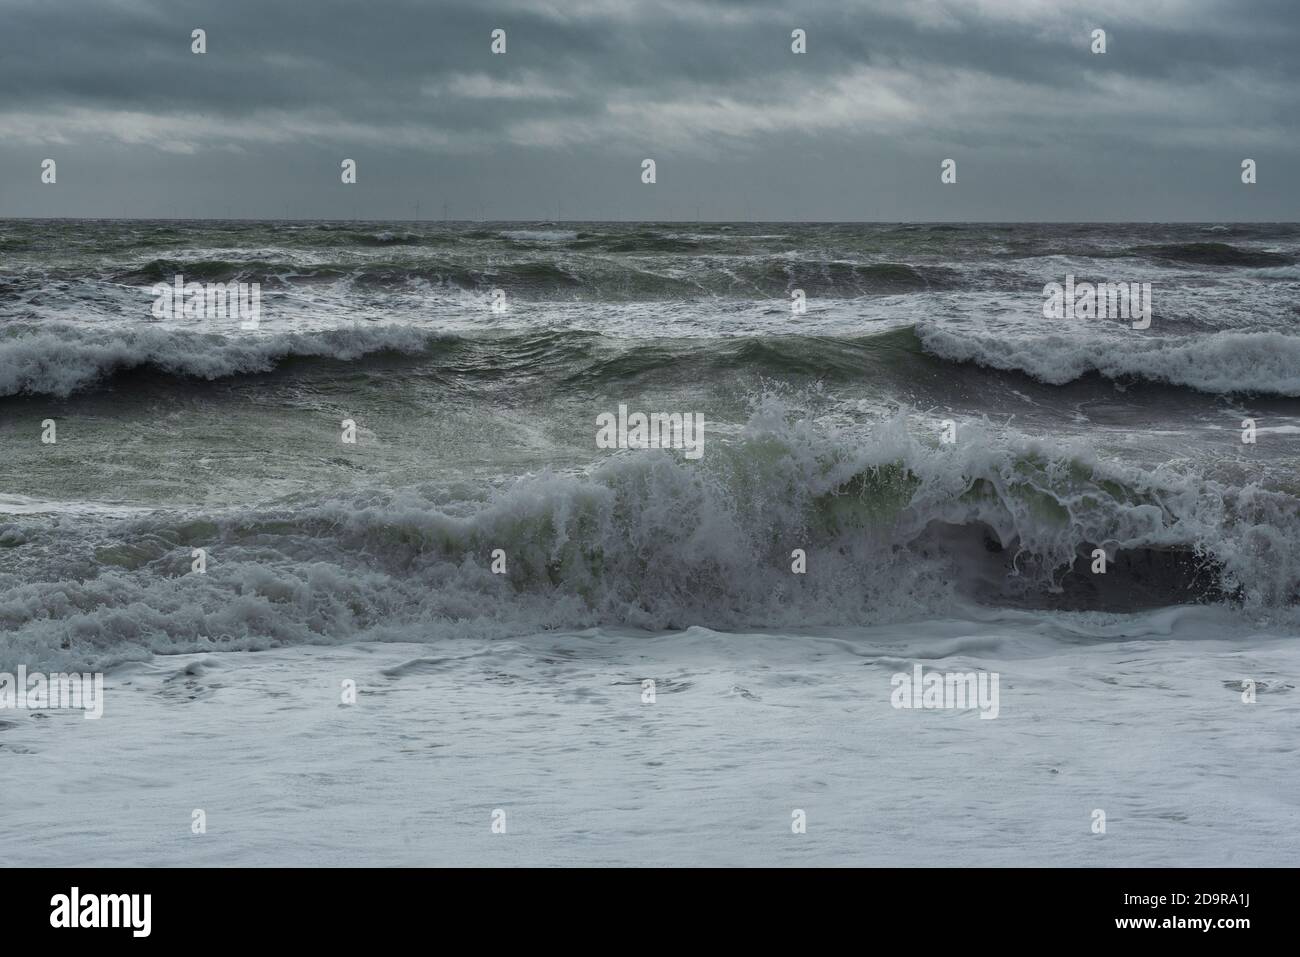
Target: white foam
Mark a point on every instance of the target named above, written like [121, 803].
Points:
[644, 539]
[59, 359]
[1221, 362]
[26, 505]
[746, 728]
[540, 235]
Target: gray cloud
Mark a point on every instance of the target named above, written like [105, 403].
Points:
[855, 129]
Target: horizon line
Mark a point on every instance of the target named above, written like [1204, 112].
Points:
[726, 222]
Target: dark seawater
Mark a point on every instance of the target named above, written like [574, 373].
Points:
[476, 429]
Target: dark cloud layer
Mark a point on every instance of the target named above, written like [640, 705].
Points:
[856, 128]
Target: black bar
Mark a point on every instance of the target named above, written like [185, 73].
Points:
[962, 907]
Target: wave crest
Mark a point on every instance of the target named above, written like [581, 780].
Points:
[1265, 363]
[892, 527]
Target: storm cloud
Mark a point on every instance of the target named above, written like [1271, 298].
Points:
[740, 127]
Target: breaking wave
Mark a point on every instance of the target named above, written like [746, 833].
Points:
[60, 359]
[894, 527]
[1265, 363]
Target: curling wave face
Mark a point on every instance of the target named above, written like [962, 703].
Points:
[893, 526]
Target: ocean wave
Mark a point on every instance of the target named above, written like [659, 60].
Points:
[539, 235]
[224, 270]
[599, 275]
[891, 527]
[1264, 363]
[60, 359]
[1212, 254]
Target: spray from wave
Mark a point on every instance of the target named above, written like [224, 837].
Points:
[895, 527]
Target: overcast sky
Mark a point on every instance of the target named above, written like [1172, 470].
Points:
[740, 127]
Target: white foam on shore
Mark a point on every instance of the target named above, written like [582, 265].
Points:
[745, 729]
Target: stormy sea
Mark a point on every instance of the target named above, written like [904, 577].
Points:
[366, 586]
